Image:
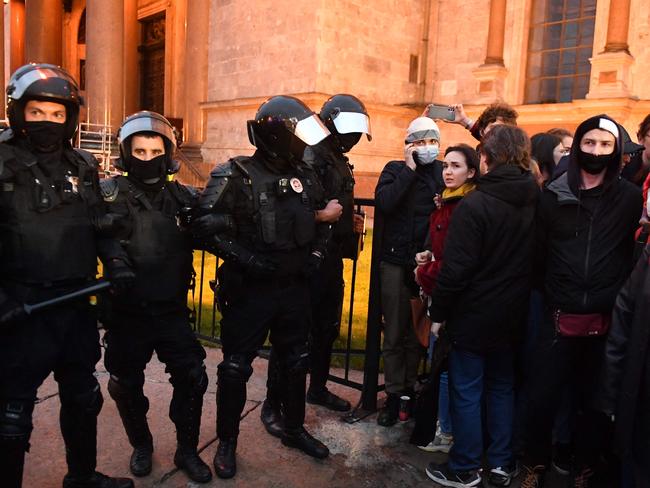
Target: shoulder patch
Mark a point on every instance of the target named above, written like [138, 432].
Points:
[109, 189]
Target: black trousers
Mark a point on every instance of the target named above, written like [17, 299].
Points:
[557, 362]
[259, 307]
[132, 338]
[63, 340]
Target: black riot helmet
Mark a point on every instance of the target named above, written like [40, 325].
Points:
[151, 124]
[346, 118]
[284, 127]
[45, 82]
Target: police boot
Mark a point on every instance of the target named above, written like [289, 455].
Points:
[232, 375]
[294, 434]
[133, 406]
[96, 480]
[187, 403]
[271, 414]
[15, 430]
[225, 460]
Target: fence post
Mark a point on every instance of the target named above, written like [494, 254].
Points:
[373, 328]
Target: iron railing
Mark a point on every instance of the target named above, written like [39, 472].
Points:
[207, 320]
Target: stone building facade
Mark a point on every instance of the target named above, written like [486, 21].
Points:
[208, 64]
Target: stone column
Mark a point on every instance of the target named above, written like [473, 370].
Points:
[196, 69]
[17, 34]
[491, 75]
[496, 32]
[43, 31]
[610, 69]
[105, 62]
[2, 55]
[131, 61]
[618, 26]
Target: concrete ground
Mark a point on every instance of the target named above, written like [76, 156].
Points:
[362, 454]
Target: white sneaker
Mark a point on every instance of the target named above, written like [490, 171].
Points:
[441, 443]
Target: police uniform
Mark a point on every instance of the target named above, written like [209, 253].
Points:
[153, 315]
[48, 248]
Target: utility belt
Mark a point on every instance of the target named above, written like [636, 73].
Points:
[37, 292]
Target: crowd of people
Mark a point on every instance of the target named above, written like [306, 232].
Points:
[528, 255]
[522, 250]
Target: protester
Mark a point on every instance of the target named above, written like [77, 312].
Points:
[585, 239]
[404, 196]
[547, 150]
[625, 386]
[565, 135]
[481, 295]
[460, 170]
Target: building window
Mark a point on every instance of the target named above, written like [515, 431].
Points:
[559, 47]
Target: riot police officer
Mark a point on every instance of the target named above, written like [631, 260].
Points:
[271, 247]
[347, 120]
[144, 207]
[49, 202]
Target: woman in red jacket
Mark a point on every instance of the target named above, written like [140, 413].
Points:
[460, 171]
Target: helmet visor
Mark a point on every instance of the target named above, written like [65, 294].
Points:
[311, 130]
[147, 124]
[39, 74]
[348, 122]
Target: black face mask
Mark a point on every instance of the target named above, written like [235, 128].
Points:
[145, 171]
[45, 136]
[348, 141]
[593, 164]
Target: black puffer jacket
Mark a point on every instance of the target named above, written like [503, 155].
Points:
[405, 197]
[586, 237]
[484, 284]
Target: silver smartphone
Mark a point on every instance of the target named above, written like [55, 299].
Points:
[441, 112]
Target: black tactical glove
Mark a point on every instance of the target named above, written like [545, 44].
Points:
[120, 274]
[210, 224]
[260, 265]
[10, 310]
[313, 263]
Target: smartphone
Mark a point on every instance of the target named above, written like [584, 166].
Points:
[441, 112]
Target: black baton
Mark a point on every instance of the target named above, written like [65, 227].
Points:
[88, 290]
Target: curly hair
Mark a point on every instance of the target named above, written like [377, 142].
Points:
[496, 110]
[507, 144]
[644, 127]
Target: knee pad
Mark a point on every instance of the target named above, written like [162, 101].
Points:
[235, 367]
[198, 379]
[16, 422]
[88, 402]
[297, 360]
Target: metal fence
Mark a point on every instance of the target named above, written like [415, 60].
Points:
[207, 321]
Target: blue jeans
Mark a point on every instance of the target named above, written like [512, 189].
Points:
[444, 414]
[472, 376]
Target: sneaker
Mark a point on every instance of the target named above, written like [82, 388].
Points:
[533, 476]
[503, 475]
[441, 443]
[580, 477]
[562, 459]
[441, 474]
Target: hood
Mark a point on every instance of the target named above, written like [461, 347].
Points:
[573, 169]
[509, 183]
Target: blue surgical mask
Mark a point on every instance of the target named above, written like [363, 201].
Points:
[426, 154]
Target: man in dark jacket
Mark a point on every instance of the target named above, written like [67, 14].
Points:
[153, 316]
[586, 220]
[482, 295]
[625, 387]
[405, 197]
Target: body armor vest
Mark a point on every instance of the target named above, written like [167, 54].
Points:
[160, 251]
[336, 177]
[46, 230]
